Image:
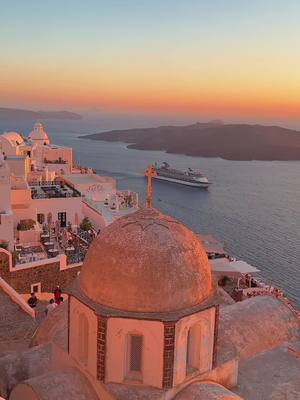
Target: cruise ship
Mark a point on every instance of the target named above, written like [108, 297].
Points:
[190, 177]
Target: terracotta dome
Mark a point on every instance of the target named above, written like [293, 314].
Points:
[146, 262]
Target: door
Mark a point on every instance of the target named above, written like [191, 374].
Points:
[62, 217]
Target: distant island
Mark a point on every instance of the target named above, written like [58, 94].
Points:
[19, 114]
[213, 139]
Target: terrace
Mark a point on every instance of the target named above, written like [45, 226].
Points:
[30, 252]
[49, 190]
[115, 206]
[72, 244]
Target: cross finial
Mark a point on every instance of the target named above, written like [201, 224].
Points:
[149, 173]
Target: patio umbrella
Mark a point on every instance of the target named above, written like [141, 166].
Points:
[49, 218]
[76, 219]
[64, 238]
[57, 227]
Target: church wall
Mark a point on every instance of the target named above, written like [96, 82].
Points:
[49, 275]
[76, 309]
[206, 320]
[152, 355]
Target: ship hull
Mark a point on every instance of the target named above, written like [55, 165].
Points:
[203, 185]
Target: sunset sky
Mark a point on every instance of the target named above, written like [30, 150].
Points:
[212, 57]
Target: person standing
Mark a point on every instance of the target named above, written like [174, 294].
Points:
[51, 306]
[57, 295]
[32, 301]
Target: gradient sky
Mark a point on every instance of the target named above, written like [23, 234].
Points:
[215, 57]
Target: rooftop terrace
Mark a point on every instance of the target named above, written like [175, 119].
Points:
[49, 190]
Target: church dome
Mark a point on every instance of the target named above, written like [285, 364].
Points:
[38, 134]
[146, 262]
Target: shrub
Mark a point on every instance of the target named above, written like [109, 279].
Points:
[4, 245]
[86, 224]
[26, 224]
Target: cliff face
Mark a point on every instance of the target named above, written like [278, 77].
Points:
[233, 142]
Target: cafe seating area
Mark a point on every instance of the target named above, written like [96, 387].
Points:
[55, 240]
[29, 252]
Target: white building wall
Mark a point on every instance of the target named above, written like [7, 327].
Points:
[70, 205]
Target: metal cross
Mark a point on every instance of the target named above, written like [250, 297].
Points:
[149, 173]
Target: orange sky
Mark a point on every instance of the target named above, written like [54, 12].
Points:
[219, 61]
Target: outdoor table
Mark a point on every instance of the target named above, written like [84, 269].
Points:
[70, 250]
[53, 252]
[45, 237]
[49, 245]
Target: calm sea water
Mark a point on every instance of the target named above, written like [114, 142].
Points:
[252, 207]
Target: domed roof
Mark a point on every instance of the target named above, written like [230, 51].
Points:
[14, 138]
[146, 262]
[38, 134]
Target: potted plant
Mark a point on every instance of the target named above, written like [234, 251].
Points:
[25, 224]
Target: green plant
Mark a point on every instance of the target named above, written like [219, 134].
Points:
[86, 224]
[25, 224]
[4, 244]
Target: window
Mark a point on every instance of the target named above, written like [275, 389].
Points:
[35, 288]
[41, 218]
[83, 339]
[134, 357]
[193, 343]
[62, 217]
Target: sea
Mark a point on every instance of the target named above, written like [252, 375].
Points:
[252, 207]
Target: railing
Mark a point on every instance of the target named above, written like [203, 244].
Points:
[75, 258]
[42, 183]
[55, 161]
[60, 190]
[53, 195]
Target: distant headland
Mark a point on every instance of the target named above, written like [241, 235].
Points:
[20, 114]
[243, 142]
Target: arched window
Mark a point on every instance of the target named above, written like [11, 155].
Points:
[83, 339]
[193, 343]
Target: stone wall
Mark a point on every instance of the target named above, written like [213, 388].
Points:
[49, 275]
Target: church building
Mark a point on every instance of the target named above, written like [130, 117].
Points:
[143, 322]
